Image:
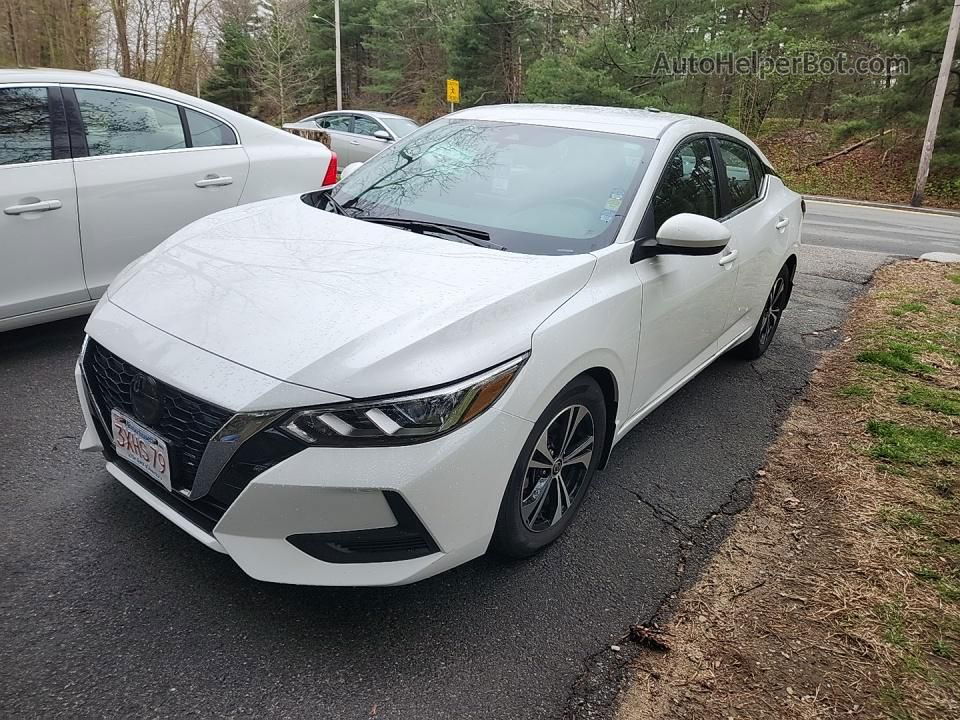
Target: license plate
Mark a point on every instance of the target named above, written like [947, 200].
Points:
[141, 447]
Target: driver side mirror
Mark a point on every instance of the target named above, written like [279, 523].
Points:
[689, 234]
[382, 135]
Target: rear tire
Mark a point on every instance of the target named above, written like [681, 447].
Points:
[554, 471]
[757, 344]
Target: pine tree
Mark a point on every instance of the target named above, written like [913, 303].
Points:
[230, 85]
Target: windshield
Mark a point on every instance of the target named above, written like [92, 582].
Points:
[531, 188]
[401, 127]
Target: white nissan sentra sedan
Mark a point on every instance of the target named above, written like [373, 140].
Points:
[96, 170]
[369, 384]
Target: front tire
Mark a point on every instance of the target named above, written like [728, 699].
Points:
[757, 344]
[554, 470]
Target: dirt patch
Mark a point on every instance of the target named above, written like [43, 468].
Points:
[838, 592]
[883, 170]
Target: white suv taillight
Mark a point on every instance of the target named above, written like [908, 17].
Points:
[331, 177]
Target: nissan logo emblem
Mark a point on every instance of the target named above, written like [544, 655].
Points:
[145, 398]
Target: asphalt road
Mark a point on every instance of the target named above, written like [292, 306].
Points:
[107, 610]
[883, 230]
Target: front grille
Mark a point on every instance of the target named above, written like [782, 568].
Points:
[186, 423]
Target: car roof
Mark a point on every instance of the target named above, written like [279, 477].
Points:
[647, 123]
[248, 128]
[94, 77]
[111, 79]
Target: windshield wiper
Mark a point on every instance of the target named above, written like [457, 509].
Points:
[465, 234]
[331, 203]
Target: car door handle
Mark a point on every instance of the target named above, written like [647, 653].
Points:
[39, 206]
[214, 181]
[782, 223]
[729, 257]
[354, 142]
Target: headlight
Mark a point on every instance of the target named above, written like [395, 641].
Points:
[404, 419]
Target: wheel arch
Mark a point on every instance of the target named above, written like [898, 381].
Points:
[791, 265]
[607, 381]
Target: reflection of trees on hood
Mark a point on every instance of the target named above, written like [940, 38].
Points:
[435, 159]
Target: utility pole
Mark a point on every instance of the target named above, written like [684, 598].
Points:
[336, 35]
[938, 94]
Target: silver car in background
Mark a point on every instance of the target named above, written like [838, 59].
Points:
[357, 135]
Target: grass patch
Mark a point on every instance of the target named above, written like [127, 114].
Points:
[949, 590]
[943, 487]
[925, 573]
[912, 445]
[946, 402]
[954, 278]
[897, 357]
[855, 390]
[891, 615]
[955, 301]
[941, 648]
[900, 518]
[872, 576]
[908, 307]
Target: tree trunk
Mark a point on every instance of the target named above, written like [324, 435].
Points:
[119, 8]
[18, 60]
[828, 102]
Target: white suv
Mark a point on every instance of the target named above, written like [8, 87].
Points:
[96, 170]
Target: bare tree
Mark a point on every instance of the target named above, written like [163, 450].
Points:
[280, 55]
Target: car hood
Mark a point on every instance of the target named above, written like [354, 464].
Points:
[341, 305]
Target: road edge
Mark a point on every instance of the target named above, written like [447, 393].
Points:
[884, 206]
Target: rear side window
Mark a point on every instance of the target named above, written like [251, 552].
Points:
[688, 185]
[119, 123]
[206, 131]
[743, 179]
[24, 126]
[335, 122]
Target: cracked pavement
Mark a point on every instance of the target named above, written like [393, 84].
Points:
[107, 610]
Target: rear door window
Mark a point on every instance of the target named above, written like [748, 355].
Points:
[743, 180]
[120, 123]
[25, 128]
[341, 123]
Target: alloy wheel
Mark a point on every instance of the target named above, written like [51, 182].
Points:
[776, 302]
[557, 468]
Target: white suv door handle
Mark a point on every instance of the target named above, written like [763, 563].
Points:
[39, 206]
[782, 223]
[729, 257]
[214, 181]
[354, 142]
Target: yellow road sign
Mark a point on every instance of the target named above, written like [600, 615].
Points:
[453, 90]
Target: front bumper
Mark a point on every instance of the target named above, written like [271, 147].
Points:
[448, 490]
